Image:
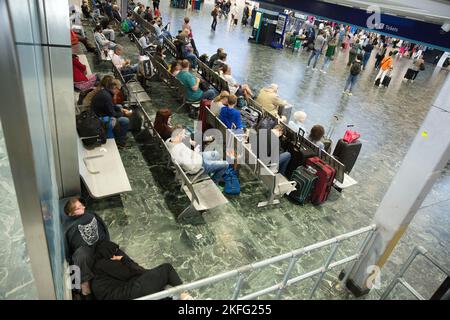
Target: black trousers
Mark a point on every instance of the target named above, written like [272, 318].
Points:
[84, 258]
[214, 23]
[154, 280]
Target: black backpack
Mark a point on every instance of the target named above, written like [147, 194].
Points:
[356, 68]
[90, 129]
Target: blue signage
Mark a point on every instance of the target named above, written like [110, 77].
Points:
[429, 34]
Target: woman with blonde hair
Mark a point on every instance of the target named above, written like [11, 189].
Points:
[219, 102]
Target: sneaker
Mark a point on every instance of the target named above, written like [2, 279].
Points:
[345, 91]
[412, 81]
[323, 71]
[314, 68]
[307, 67]
[379, 86]
[349, 93]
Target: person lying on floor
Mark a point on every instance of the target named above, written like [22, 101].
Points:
[118, 277]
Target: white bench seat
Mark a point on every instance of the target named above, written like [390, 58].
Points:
[102, 170]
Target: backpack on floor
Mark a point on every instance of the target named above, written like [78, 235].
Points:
[232, 185]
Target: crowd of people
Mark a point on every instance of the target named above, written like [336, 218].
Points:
[106, 271]
[328, 39]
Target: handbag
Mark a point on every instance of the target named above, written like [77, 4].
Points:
[351, 136]
[422, 67]
[232, 185]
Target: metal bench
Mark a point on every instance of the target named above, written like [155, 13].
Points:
[276, 183]
[102, 171]
[199, 188]
[212, 77]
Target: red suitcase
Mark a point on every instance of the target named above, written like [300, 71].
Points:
[324, 183]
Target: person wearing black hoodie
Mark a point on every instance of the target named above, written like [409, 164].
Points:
[82, 232]
[118, 277]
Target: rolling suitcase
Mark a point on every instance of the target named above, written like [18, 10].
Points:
[250, 117]
[306, 179]
[325, 181]
[299, 154]
[386, 81]
[409, 74]
[347, 153]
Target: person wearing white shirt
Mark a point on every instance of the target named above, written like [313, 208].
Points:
[123, 65]
[143, 41]
[233, 86]
[100, 38]
[234, 15]
[192, 161]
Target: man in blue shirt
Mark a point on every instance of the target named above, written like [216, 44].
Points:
[230, 116]
[192, 83]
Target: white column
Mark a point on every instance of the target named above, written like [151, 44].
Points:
[427, 156]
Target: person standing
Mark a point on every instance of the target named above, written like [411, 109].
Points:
[355, 70]
[234, 15]
[245, 15]
[155, 5]
[354, 51]
[380, 55]
[214, 14]
[317, 50]
[385, 66]
[367, 53]
[417, 66]
[329, 54]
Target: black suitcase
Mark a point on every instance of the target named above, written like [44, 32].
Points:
[409, 74]
[386, 81]
[299, 154]
[306, 179]
[347, 153]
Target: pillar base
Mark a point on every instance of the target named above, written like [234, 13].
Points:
[352, 287]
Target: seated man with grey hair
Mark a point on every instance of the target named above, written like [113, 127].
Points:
[268, 98]
[192, 161]
[123, 65]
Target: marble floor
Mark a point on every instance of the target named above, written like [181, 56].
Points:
[143, 221]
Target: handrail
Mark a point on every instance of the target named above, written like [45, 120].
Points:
[398, 278]
[298, 253]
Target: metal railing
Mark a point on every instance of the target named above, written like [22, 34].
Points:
[294, 257]
[398, 278]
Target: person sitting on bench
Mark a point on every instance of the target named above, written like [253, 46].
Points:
[159, 56]
[123, 65]
[219, 102]
[316, 135]
[118, 277]
[163, 124]
[220, 62]
[192, 83]
[103, 106]
[100, 38]
[215, 56]
[81, 80]
[175, 67]
[143, 40]
[284, 156]
[235, 88]
[269, 100]
[230, 116]
[192, 161]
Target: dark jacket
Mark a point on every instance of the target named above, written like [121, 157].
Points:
[117, 16]
[213, 58]
[102, 104]
[80, 231]
[161, 60]
[114, 280]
